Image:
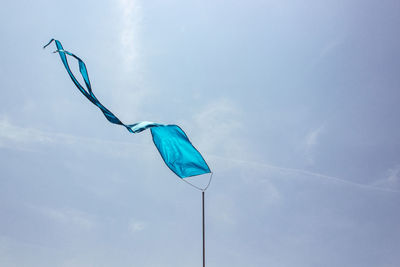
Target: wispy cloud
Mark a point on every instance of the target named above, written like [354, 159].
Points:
[68, 216]
[131, 19]
[220, 121]
[311, 141]
[16, 137]
[22, 138]
[312, 136]
[218, 124]
[394, 175]
[391, 180]
[310, 174]
[130, 91]
[136, 226]
[327, 49]
[225, 212]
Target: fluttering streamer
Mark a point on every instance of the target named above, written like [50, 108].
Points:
[171, 141]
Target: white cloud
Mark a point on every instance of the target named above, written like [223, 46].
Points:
[22, 138]
[129, 91]
[11, 134]
[312, 136]
[394, 174]
[379, 186]
[66, 216]
[131, 19]
[311, 141]
[136, 226]
[224, 212]
[330, 46]
[391, 180]
[218, 124]
[327, 49]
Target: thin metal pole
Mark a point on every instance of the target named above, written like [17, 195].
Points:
[204, 241]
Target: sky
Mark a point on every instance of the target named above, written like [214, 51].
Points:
[293, 104]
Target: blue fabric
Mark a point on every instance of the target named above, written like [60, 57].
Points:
[171, 141]
[177, 151]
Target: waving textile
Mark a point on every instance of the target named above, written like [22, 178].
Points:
[171, 141]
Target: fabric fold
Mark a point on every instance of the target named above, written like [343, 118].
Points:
[172, 143]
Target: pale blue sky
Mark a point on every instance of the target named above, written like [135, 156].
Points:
[293, 104]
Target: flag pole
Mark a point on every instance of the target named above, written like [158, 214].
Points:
[204, 241]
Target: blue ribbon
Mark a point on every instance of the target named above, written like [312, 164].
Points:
[171, 141]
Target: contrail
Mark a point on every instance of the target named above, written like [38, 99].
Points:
[309, 173]
[11, 131]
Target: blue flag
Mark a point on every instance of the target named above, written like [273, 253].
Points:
[171, 141]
